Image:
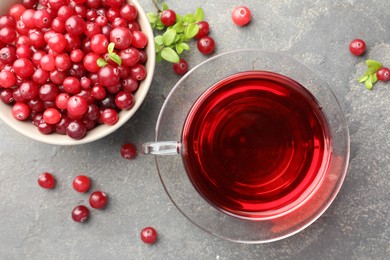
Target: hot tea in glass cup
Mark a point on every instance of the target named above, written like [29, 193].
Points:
[261, 146]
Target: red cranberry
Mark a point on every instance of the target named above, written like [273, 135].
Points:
[181, 67]
[124, 100]
[62, 125]
[20, 111]
[138, 72]
[99, 43]
[98, 200]
[109, 76]
[241, 15]
[90, 62]
[139, 39]
[7, 79]
[203, 29]
[357, 47]
[109, 116]
[81, 183]
[128, 151]
[52, 116]
[6, 95]
[206, 45]
[76, 106]
[383, 74]
[149, 235]
[46, 180]
[16, 10]
[74, 25]
[76, 129]
[122, 37]
[23, 68]
[80, 213]
[168, 17]
[130, 56]
[129, 12]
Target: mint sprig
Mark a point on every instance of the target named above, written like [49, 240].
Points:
[112, 55]
[369, 77]
[172, 41]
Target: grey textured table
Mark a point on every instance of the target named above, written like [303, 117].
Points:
[36, 223]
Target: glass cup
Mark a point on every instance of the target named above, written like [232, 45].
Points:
[170, 150]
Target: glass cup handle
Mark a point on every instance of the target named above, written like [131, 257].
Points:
[162, 148]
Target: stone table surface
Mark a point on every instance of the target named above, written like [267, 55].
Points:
[36, 223]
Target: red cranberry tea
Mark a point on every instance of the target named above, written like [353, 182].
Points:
[256, 143]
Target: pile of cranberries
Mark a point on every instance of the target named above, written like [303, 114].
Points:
[56, 68]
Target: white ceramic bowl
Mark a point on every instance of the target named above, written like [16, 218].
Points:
[28, 129]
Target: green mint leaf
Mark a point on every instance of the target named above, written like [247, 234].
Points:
[374, 78]
[179, 49]
[159, 25]
[164, 6]
[101, 62]
[170, 55]
[199, 15]
[178, 27]
[363, 78]
[111, 47]
[191, 30]
[189, 18]
[158, 48]
[179, 18]
[152, 17]
[177, 38]
[158, 40]
[115, 57]
[373, 65]
[368, 83]
[169, 37]
[185, 46]
[158, 57]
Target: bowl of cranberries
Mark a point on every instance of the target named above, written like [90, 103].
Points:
[73, 71]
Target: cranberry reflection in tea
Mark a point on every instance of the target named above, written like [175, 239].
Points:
[257, 143]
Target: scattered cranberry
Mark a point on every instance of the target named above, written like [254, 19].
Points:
[206, 45]
[181, 67]
[203, 29]
[46, 180]
[383, 74]
[357, 47]
[149, 235]
[80, 213]
[128, 151]
[81, 183]
[168, 17]
[98, 200]
[241, 15]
